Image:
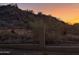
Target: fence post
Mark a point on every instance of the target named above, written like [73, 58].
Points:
[42, 41]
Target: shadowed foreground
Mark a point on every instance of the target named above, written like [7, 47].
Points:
[35, 49]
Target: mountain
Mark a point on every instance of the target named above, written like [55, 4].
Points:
[12, 16]
[24, 26]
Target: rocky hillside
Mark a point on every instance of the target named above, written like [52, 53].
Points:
[23, 26]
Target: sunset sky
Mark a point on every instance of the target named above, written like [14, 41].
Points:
[64, 11]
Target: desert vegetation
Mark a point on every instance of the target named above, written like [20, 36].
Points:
[24, 26]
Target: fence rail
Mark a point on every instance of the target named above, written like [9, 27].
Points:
[46, 50]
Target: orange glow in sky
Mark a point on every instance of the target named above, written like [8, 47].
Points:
[67, 12]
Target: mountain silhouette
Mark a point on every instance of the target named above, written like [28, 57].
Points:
[23, 26]
[12, 16]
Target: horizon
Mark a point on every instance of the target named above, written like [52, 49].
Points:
[39, 29]
[67, 12]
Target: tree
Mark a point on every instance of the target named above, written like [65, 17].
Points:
[39, 13]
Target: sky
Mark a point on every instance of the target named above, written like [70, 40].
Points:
[67, 12]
